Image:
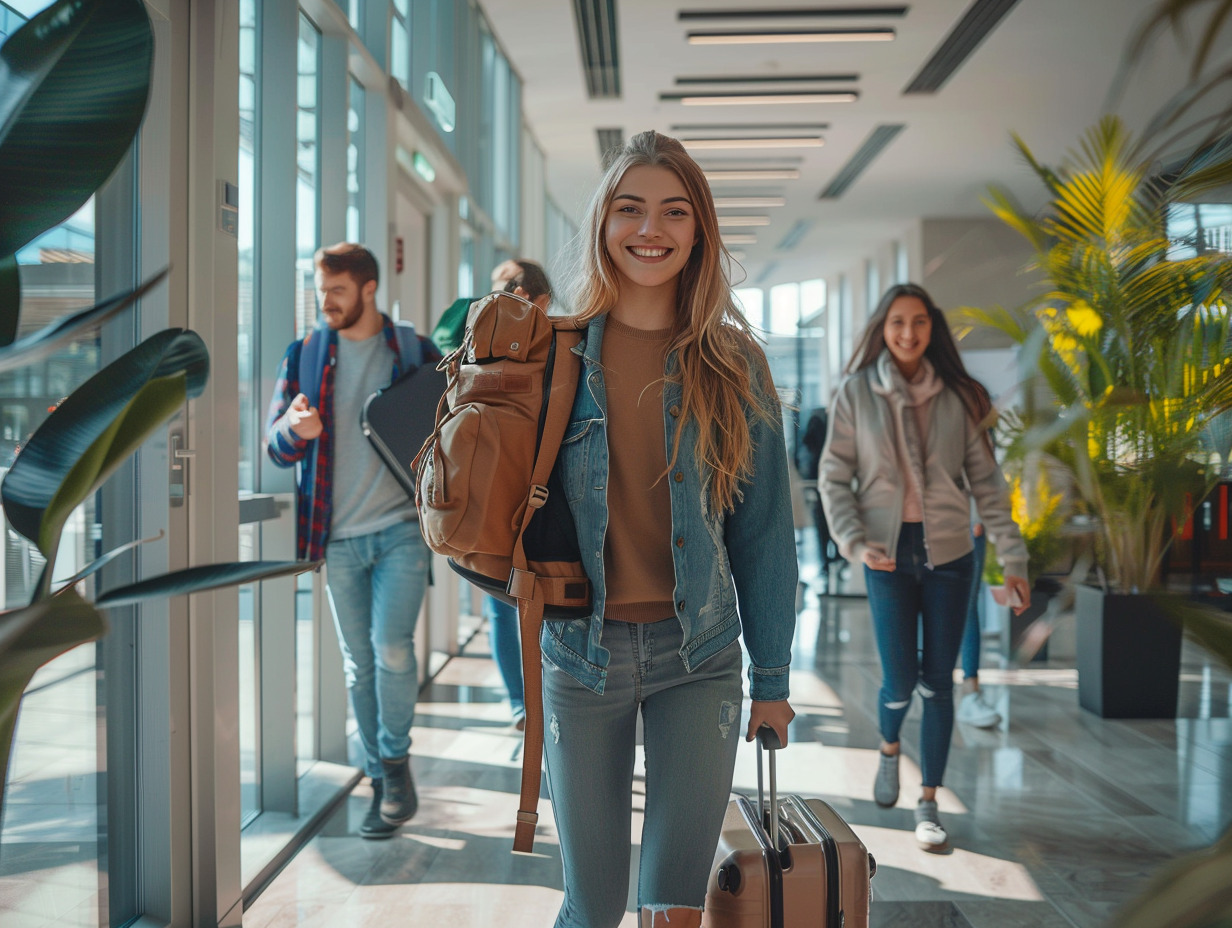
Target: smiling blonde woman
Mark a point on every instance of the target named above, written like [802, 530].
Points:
[675, 469]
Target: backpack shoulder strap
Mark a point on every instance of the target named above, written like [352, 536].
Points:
[566, 369]
[410, 351]
[313, 356]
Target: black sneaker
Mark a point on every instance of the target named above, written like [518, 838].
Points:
[373, 826]
[400, 803]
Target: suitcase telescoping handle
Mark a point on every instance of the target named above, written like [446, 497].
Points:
[768, 739]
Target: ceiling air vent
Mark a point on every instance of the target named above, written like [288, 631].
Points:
[872, 147]
[979, 20]
[611, 141]
[597, 41]
[792, 238]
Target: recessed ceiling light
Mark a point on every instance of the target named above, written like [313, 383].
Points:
[749, 202]
[790, 36]
[729, 99]
[743, 221]
[739, 238]
[768, 174]
[794, 141]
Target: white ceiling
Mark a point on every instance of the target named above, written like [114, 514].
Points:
[1044, 72]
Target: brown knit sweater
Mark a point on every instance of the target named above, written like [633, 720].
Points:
[637, 555]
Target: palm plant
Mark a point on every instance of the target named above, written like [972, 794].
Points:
[1133, 343]
[73, 88]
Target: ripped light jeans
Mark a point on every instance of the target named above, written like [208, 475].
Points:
[376, 586]
[692, 728]
[918, 620]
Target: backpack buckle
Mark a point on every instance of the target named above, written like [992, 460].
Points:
[521, 584]
[538, 496]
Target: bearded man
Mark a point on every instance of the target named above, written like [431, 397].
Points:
[355, 515]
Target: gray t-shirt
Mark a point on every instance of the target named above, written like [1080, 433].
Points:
[367, 498]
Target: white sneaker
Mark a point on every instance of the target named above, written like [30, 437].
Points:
[974, 710]
[929, 834]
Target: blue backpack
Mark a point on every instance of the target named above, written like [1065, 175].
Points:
[314, 355]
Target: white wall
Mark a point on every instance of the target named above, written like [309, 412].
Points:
[975, 262]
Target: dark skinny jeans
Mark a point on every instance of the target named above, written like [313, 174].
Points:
[918, 619]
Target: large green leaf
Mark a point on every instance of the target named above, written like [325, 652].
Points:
[1172, 14]
[29, 638]
[200, 579]
[54, 336]
[1192, 892]
[73, 88]
[100, 562]
[10, 299]
[31, 52]
[95, 429]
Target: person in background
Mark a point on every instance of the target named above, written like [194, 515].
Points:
[808, 460]
[973, 708]
[355, 515]
[675, 468]
[909, 428]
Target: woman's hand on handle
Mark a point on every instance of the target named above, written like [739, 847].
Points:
[1018, 593]
[777, 714]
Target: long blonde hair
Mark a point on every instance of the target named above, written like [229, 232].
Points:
[722, 372]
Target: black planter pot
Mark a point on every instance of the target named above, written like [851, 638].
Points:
[1129, 656]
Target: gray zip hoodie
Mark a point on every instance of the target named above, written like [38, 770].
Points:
[863, 476]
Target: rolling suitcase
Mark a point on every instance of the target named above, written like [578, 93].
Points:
[398, 419]
[789, 863]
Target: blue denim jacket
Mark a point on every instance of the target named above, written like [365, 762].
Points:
[750, 552]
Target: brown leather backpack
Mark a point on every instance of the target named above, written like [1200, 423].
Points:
[488, 496]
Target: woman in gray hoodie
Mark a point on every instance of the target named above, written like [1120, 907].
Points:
[908, 447]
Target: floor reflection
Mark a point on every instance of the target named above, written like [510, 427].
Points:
[1057, 817]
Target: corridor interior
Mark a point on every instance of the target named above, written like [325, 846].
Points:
[1056, 818]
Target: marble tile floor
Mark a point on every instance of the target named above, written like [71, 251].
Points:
[1057, 818]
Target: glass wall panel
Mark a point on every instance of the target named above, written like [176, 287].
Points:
[750, 300]
[784, 309]
[400, 42]
[355, 163]
[902, 270]
[305, 670]
[249, 387]
[560, 233]
[10, 19]
[250, 732]
[485, 141]
[1198, 228]
[53, 869]
[308, 173]
[466, 265]
[249, 378]
[812, 298]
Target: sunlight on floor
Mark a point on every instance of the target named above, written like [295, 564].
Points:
[958, 872]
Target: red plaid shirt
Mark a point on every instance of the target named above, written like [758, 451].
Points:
[313, 460]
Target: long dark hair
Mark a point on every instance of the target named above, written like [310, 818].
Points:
[942, 352]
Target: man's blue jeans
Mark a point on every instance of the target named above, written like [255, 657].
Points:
[971, 630]
[692, 727]
[899, 600]
[376, 586]
[506, 649]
